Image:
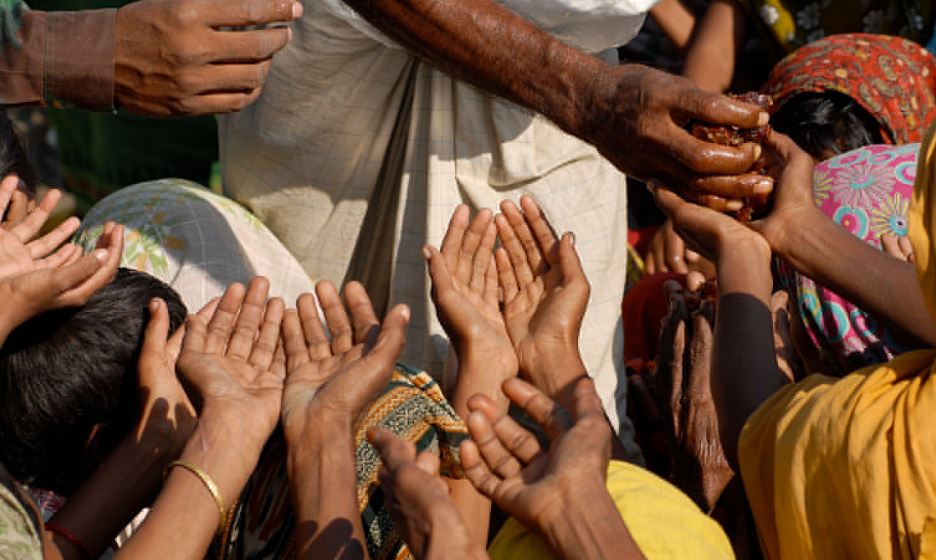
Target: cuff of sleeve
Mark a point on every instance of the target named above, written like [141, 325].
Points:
[79, 67]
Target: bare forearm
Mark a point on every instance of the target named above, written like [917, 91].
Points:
[876, 282]
[105, 503]
[675, 20]
[710, 62]
[185, 516]
[323, 481]
[483, 43]
[745, 371]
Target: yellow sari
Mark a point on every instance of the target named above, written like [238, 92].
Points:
[846, 468]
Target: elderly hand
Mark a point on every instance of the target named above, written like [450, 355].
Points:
[176, 57]
[636, 118]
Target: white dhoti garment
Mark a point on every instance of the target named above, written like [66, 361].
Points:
[357, 154]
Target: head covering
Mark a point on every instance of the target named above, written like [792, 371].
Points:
[663, 521]
[891, 78]
[867, 191]
[846, 468]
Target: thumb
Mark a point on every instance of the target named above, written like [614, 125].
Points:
[156, 332]
[718, 109]
[75, 274]
[392, 335]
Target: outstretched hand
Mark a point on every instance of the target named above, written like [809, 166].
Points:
[545, 294]
[419, 500]
[337, 378]
[232, 363]
[507, 464]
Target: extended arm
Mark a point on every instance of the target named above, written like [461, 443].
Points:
[710, 62]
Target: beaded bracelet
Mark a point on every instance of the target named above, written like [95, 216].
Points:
[70, 537]
[209, 484]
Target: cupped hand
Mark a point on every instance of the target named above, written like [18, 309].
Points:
[337, 378]
[231, 363]
[638, 106]
[419, 501]
[506, 463]
[181, 57]
[22, 250]
[793, 205]
[545, 294]
[71, 283]
[465, 291]
[704, 230]
[667, 252]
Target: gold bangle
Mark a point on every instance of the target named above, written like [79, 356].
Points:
[209, 484]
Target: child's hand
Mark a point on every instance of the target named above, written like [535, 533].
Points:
[545, 294]
[464, 290]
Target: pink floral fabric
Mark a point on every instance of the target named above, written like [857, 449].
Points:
[866, 191]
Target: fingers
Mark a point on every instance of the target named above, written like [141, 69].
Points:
[569, 262]
[499, 460]
[483, 256]
[699, 157]
[452, 242]
[585, 400]
[506, 276]
[674, 250]
[336, 318]
[313, 332]
[392, 335]
[907, 249]
[891, 245]
[157, 330]
[8, 186]
[222, 322]
[102, 265]
[365, 324]
[694, 281]
[264, 349]
[29, 227]
[294, 344]
[519, 442]
[233, 77]
[471, 241]
[524, 235]
[513, 248]
[239, 13]
[393, 451]
[732, 188]
[544, 233]
[439, 273]
[66, 254]
[49, 242]
[476, 470]
[718, 109]
[543, 410]
[249, 316]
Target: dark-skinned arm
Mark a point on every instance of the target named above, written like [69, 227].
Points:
[612, 107]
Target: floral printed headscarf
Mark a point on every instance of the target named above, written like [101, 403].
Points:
[892, 78]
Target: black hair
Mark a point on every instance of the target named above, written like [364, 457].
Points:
[826, 122]
[65, 372]
[13, 158]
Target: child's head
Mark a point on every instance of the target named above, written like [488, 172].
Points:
[67, 373]
[13, 159]
[826, 124]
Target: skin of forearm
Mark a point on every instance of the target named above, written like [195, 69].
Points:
[710, 62]
[876, 282]
[323, 483]
[185, 517]
[483, 43]
[675, 21]
[105, 503]
[591, 528]
[745, 371]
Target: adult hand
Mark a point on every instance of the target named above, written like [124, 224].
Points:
[793, 205]
[704, 230]
[637, 119]
[464, 290]
[545, 293]
[21, 251]
[684, 369]
[70, 283]
[668, 253]
[231, 363]
[337, 379]
[177, 57]
[507, 464]
[419, 500]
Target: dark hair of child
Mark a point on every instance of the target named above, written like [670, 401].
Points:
[826, 124]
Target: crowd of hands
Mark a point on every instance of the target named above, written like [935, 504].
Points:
[214, 391]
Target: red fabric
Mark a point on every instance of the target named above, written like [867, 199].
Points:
[640, 239]
[892, 78]
[643, 310]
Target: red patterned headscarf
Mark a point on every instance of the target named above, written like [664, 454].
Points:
[892, 78]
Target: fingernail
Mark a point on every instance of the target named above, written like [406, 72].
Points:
[101, 255]
[763, 186]
[757, 151]
[405, 312]
[296, 10]
[427, 254]
[734, 205]
[653, 185]
[154, 304]
[571, 235]
[763, 119]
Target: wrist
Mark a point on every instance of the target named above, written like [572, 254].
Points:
[555, 369]
[588, 525]
[786, 235]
